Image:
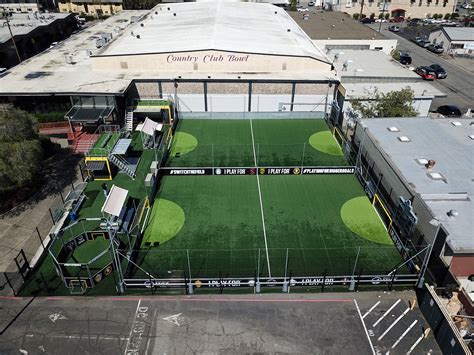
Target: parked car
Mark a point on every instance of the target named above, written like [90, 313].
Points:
[380, 20]
[416, 39]
[405, 59]
[311, 3]
[397, 19]
[394, 28]
[425, 43]
[436, 48]
[366, 20]
[426, 73]
[439, 71]
[449, 111]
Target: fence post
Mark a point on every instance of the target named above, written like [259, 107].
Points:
[62, 198]
[9, 283]
[324, 280]
[39, 236]
[285, 282]
[257, 283]
[190, 285]
[358, 279]
[352, 286]
[72, 185]
[51, 214]
[302, 159]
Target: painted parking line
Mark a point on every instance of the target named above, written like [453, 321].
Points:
[370, 310]
[365, 328]
[138, 329]
[393, 324]
[387, 312]
[415, 344]
[404, 333]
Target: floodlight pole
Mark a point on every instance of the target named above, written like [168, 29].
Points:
[11, 34]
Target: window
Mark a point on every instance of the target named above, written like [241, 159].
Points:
[283, 66]
[457, 45]
[444, 3]
[123, 65]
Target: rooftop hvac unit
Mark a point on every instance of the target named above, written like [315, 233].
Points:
[99, 43]
[430, 164]
[107, 36]
[69, 59]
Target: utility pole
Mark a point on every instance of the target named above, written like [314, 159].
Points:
[361, 10]
[381, 19]
[11, 34]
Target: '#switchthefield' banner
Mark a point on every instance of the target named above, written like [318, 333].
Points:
[310, 170]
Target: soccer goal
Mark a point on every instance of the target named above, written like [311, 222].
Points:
[382, 211]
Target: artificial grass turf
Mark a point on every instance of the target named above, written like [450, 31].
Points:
[223, 228]
[183, 143]
[358, 215]
[166, 220]
[277, 143]
[325, 142]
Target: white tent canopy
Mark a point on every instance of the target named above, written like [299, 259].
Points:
[115, 200]
[149, 127]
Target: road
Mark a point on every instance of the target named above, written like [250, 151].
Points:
[337, 323]
[458, 86]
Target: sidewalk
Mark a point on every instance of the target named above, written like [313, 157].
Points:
[18, 226]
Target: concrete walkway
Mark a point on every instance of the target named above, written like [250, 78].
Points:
[18, 226]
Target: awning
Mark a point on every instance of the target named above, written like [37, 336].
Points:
[122, 146]
[95, 165]
[149, 127]
[115, 200]
[89, 114]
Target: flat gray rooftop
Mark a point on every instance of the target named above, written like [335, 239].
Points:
[229, 26]
[450, 142]
[333, 25]
[22, 24]
[370, 64]
[420, 89]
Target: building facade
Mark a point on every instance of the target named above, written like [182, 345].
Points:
[93, 8]
[20, 6]
[405, 8]
[455, 40]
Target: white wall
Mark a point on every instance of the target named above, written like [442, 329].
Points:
[387, 45]
[260, 103]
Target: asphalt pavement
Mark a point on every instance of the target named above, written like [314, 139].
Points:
[458, 86]
[329, 323]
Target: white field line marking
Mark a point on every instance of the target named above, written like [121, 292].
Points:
[370, 310]
[365, 328]
[404, 333]
[394, 323]
[133, 324]
[386, 313]
[380, 217]
[87, 337]
[415, 344]
[261, 203]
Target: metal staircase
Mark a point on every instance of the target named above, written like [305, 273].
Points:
[129, 120]
[122, 164]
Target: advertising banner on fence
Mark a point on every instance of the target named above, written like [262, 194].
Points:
[311, 281]
[310, 170]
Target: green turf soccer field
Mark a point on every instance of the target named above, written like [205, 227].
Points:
[235, 225]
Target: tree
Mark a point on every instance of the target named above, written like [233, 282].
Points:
[387, 15]
[20, 149]
[395, 53]
[372, 16]
[393, 104]
[447, 16]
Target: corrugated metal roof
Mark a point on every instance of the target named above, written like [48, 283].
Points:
[460, 33]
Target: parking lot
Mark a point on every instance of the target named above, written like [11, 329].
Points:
[458, 86]
[343, 323]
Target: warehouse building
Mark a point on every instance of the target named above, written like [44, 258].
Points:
[208, 57]
[403, 157]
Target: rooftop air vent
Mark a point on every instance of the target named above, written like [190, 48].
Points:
[422, 161]
[142, 24]
[404, 139]
[456, 123]
[436, 176]
[471, 136]
[288, 30]
[138, 36]
[393, 129]
[174, 14]
[452, 213]
[430, 164]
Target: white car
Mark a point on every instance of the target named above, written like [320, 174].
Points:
[311, 3]
[380, 20]
[304, 9]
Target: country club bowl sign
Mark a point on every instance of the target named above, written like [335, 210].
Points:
[208, 58]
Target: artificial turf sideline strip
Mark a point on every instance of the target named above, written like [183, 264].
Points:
[260, 198]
